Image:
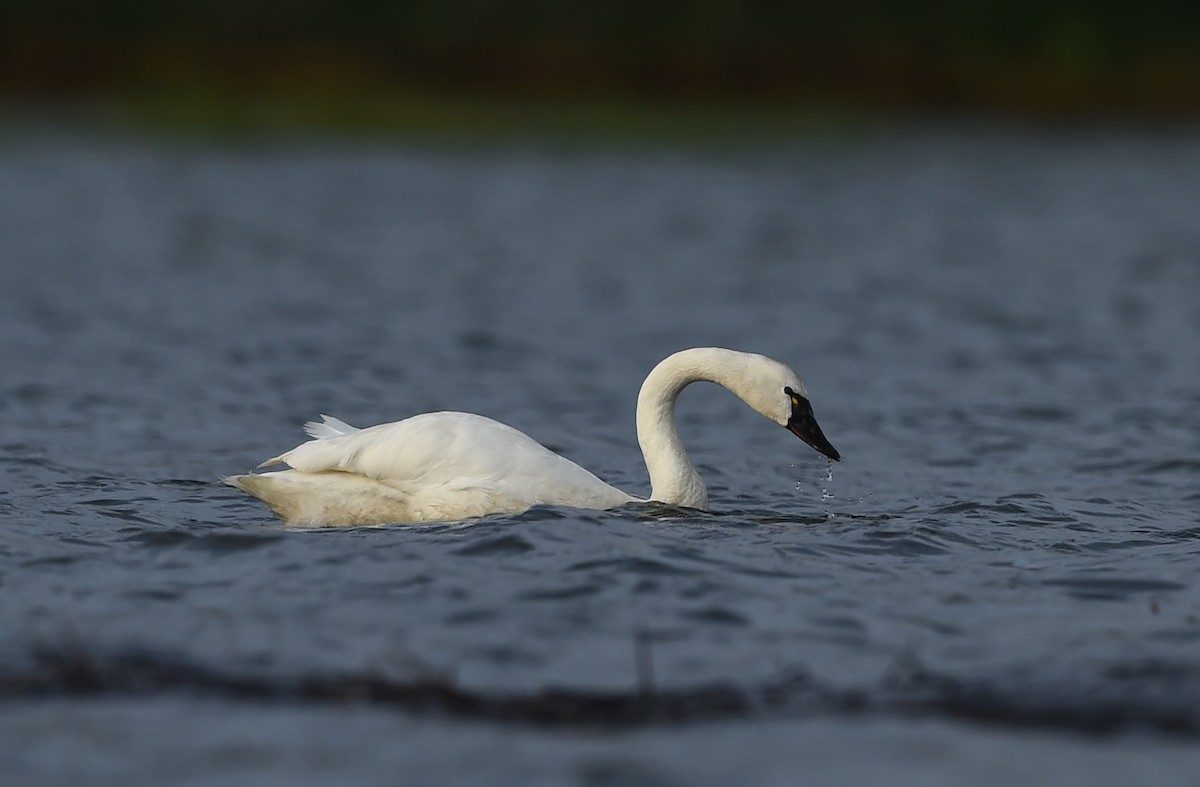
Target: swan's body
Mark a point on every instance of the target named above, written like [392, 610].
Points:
[449, 466]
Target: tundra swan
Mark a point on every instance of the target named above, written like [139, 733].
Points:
[452, 466]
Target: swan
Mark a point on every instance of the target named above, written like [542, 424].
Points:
[452, 466]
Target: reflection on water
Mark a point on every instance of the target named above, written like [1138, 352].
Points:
[998, 331]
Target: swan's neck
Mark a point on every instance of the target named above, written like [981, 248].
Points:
[673, 479]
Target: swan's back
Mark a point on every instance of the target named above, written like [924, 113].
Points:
[435, 466]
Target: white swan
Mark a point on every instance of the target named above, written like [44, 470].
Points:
[450, 466]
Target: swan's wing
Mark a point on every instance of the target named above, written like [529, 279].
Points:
[451, 451]
[429, 448]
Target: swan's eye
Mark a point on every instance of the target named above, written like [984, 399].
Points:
[795, 399]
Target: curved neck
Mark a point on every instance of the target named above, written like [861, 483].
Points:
[673, 479]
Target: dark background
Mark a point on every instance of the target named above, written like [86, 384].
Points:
[483, 65]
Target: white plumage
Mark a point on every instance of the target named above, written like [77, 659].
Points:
[329, 427]
[450, 466]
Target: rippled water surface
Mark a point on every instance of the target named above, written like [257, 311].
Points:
[1000, 333]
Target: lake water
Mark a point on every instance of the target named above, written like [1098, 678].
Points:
[1000, 331]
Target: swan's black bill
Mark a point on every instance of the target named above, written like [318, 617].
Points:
[804, 425]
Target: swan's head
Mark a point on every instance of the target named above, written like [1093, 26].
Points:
[778, 393]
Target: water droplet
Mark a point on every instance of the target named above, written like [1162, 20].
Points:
[825, 493]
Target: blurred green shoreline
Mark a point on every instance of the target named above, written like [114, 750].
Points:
[684, 70]
[445, 117]
[441, 118]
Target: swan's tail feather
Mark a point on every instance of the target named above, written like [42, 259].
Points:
[331, 427]
[267, 489]
[235, 481]
[329, 498]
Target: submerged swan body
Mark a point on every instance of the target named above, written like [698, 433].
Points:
[451, 466]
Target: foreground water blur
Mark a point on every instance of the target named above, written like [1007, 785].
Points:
[999, 331]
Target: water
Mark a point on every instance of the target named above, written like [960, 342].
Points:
[999, 331]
